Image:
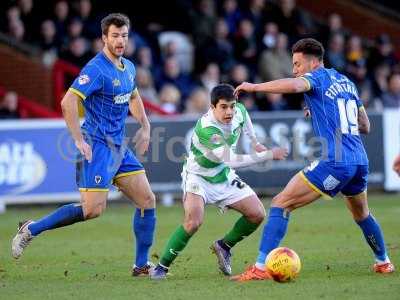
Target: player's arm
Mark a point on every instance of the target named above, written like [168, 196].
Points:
[142, 137]
[280, 86]
[233, 160]
[363, 121]
[69, 105]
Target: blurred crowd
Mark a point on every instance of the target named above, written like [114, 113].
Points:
[222, 41]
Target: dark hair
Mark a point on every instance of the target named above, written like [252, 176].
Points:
[309, 46]
[116, 19]
[222, 91]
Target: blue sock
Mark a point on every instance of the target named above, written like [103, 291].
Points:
[374, 237]
[144, 223]
[63, 216]
[274, 231]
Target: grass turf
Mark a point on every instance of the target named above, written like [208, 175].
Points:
[92, 260]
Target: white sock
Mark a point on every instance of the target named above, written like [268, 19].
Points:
[381, 262]
[260, 266]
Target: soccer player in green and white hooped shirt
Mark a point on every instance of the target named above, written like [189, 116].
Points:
[208, 177]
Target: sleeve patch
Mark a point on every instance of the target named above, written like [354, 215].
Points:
[83, 79]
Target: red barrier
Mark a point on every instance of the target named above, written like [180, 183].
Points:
[28, 108]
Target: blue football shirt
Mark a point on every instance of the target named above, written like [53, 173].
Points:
[106, 91]
[334, 103]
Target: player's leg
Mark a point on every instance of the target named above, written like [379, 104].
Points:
[92, 180]
[137, 188]
[358, 206]
[297, 193]
[194, 213]
[253, 213]
[131, 179]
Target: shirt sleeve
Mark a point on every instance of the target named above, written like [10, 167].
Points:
[88, 82]
[312, 79]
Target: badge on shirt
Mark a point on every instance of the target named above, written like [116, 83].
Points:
[83, 79]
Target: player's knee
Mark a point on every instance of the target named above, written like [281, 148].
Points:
[94, 211]
[149, 200]
[279, 201]
[256, 217]
[192, 225]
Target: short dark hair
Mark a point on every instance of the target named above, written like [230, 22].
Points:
[116, 19]
[222, 91]
[309, 46]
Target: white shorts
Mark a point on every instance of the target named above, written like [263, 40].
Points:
[220, 194]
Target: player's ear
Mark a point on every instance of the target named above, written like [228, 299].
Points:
[104, 38]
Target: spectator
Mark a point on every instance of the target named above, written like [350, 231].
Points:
[145, 84]
[97, 46]
[292, 21]
[9, 106]
[76, 53]
[256, 15]
[170, 98]
[357, 72]
[335, 56]
[47, 40]
[210, 77]
[354, 49]
[130, 49]
[239, 74]
[270, 35]
[145, 60]
[382, 52]
[172, 74]
[231, 15]
[219, 49]
[276, 102]
[198, 102]
[29, 18]
[245, 44]
[16, 30]
[61, 12]
[90, 24]
[333, 27]
[391, 99]
[276, 63]
[203, 21]
[380, 80]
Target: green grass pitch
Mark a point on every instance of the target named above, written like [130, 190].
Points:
[92, 260]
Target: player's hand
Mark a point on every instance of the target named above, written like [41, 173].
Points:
[142, 140]
[85, 149]
[279, 153]
[244, 87]
[396, 165]
[307, 112]
[260, 147]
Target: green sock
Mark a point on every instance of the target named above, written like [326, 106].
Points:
[176, 244]
[240, 230]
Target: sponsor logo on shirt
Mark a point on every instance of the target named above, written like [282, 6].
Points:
[83, 79]
[122, 98]
[116, 82]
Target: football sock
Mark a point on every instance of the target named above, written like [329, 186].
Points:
[144, 224]
[274, 231]
[176, 244]
[374, 237]
[63, 216]
[240, 230]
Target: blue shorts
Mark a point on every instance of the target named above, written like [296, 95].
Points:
[107, 164]
[330, 178]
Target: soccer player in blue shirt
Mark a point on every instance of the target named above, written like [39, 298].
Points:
[338, 118]
[106, 88]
